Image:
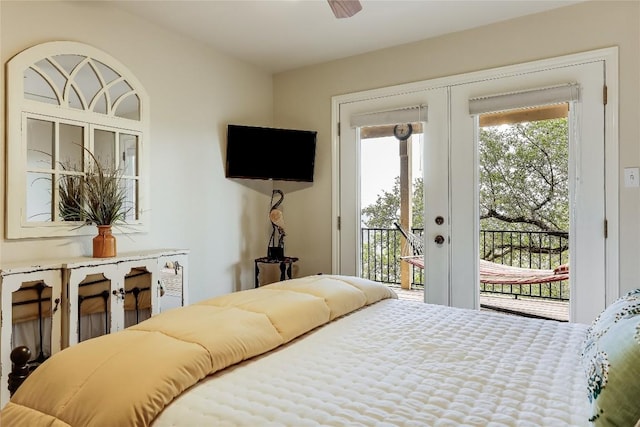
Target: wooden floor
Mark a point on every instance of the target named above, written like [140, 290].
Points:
[528, 307]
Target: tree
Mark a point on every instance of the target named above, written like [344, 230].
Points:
[386, 209]
[380, 251]
[524, 176]
[523, 181]
[523, 187]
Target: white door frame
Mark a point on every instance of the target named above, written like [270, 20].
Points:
[610, 58]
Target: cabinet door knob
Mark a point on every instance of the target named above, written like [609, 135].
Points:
[119, 294]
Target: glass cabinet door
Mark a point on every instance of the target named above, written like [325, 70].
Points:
[94, 307]
[137, 300]
[172, 274]
[32, 308]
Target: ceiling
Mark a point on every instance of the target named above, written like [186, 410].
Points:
[279, 35]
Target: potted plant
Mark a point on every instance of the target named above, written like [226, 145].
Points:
[95, 197]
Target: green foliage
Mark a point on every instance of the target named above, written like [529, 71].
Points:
[523, 187]
[96, 198]
[386, 210]
[70, 190]
[524, 180]
[381, 248]
[524, 176]
[381, 253]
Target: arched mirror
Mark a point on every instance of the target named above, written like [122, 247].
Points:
[68, 101]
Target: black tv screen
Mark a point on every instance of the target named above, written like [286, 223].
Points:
[270, 153]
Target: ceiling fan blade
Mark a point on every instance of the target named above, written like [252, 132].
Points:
[345, 8]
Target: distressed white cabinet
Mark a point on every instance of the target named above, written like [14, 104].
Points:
[50, 305]
[107, 295]
[30, 297]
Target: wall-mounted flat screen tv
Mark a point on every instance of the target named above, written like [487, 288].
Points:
[270, 153]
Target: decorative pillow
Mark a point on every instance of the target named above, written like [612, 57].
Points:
[611, 359]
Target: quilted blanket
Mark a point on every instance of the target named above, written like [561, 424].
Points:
[403, 363]
[128, 377]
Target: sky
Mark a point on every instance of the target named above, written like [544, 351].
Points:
[380, 164]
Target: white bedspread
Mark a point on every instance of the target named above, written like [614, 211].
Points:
[402, 363]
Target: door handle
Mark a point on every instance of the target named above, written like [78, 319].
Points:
[439, 239]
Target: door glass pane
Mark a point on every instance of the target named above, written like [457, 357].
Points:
[39, 200]
[104, 148]
[524, 211]
[40, 144]
[390, 193]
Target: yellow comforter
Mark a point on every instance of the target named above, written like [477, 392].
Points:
[127, 378]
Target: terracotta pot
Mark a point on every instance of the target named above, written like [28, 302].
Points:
[104, 244]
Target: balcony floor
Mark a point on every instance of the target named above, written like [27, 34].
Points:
[528, 307]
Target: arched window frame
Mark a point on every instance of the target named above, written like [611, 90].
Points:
[58, 110]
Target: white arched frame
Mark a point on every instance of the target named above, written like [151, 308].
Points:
[66, 99]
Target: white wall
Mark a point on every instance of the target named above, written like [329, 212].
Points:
[194, 92]
[302, 98]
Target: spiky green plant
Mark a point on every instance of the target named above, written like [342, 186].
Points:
[70, 190]
[97, 198]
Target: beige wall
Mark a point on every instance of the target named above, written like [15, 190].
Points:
[194, 92]
[303, 98]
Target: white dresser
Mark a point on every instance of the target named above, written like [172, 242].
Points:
[53, 304]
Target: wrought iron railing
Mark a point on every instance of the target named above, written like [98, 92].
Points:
[380, 257]
[527, 249]
[382, 251]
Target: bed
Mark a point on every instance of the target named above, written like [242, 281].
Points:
[345, 351]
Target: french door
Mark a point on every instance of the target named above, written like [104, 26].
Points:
[450, 178]
[431, 112]
[586, 178]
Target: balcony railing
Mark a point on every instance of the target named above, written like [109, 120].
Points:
[380, 257]
[381, 252]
